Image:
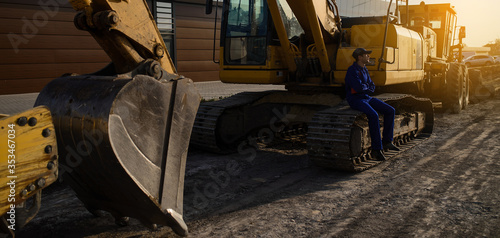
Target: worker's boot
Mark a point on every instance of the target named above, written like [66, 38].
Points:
[378, 155]
[391, 146]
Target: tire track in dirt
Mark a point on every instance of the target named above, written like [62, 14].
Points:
[458, 188]
[446, 193]
[447, 186]
[354, 220]
[419, 194]
[422, 208]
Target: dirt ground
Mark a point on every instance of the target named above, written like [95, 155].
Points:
[447, 186]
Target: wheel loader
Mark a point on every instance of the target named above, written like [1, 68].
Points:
[306, 46]
[119, 135]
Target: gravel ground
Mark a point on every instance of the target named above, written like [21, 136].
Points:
[447, 186]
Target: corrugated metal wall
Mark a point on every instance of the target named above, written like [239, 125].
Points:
[39, 42]
[194, 42]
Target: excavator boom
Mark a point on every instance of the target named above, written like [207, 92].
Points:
[126, 30]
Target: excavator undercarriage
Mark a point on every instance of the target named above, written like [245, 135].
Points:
[337, 136]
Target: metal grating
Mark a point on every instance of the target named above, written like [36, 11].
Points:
[166, 24]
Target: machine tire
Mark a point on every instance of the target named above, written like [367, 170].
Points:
[453, 102]
[466, 87]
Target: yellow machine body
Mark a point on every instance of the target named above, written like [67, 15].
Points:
[28, 163]
[301, 44]
[273, 72]
[306, 46]
[322, 46]
[403, 67]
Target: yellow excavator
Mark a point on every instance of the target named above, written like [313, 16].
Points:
[306, 46]
[120, 135]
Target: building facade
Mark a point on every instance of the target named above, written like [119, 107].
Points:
[39, 42]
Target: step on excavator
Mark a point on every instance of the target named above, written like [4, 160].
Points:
[307, 46]
[120, 135]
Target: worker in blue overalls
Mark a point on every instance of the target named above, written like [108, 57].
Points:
[358, 87]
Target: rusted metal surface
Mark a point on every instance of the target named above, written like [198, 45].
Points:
[123, 142]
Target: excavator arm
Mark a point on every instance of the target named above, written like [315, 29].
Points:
[126, 30]
[123, 132]
[319, 22]
[317, 19]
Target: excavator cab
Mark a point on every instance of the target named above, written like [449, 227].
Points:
[246, 43]
[277, 42]
[123, 132]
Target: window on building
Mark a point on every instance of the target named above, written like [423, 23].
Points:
[166, 24]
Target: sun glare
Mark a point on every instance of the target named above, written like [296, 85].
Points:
[479, 19]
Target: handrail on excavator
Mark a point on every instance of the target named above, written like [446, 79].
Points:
[381, 59]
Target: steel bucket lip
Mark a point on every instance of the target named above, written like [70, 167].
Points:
[65, 94]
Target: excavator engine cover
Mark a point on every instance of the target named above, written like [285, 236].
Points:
[123, 142]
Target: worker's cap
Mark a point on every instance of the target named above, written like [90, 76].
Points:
[360, 51]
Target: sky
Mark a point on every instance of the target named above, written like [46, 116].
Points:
[481, 19]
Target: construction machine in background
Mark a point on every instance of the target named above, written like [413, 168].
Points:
[122, 132]
[306, 46]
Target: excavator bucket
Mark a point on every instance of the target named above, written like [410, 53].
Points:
[123, 142]
[123, 132]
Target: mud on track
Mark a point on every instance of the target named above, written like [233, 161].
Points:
[448, 186]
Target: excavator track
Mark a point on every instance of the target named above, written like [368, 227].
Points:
[338, 137]
[204, 135]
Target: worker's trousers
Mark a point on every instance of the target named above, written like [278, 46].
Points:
[370, 106]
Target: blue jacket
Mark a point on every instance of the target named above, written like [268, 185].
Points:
[358, 83]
